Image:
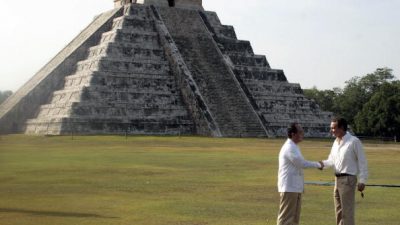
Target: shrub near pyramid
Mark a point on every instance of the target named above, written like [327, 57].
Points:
[160, 68]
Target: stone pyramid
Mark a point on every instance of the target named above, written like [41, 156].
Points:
[158, 67]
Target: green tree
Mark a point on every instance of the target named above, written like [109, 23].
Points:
[4, 95]
[358, 91]
[380, 116]
[370, 103]
[324, 98]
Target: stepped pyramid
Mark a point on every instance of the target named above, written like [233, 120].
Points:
[158, 67]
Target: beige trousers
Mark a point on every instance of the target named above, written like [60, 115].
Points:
[289, 208]
[344, 198]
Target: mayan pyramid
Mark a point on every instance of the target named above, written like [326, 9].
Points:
[160, 67]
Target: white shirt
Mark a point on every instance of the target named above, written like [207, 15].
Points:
[291, 164]
[348, 157]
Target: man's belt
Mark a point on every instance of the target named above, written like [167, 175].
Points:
[343, 174]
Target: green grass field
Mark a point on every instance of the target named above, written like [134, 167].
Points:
[107, 180]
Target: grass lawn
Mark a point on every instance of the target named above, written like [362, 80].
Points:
[107, 180]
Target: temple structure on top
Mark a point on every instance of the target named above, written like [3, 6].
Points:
[160, 67]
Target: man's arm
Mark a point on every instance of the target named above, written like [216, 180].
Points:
[299, 161]
[328, 162]
[362, 165]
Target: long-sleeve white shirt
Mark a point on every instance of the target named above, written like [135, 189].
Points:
[348, 157]
[291, 164]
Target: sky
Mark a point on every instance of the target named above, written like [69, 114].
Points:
[318, 43]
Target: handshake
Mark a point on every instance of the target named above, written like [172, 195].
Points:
[321, 165]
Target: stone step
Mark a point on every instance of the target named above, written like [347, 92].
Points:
[130, 112]
[130, 36]
[99, 111]
[86, 74]
[249, 61]
[133, 45]
[306, 123]
[57, 105]
[134, 23]
[122, 96]
[287, 104]
[142, 102]
[279, 96]
[139, 16]
[76, 95]
[225, 31]
[218, 30]
[221, 30]
[108, 64]
[137, 12]
[54, 112]
[143, 66]
[133, 82]
[66, 95]
[212, 18]
[134, 87]
[260, 73]
[121, 75]
[105, 93]
[137, 9]
[283, 89]
[234, 46]
[79, 79]
[178, 121]
[126, 51]
[292, 115]
[68, 126]
[117, 79]
[299, 112]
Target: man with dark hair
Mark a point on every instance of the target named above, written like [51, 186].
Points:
[348, 160]
[293, 129]
[341, 123]
[291, 177]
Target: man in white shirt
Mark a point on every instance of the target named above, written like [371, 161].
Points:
[291, 177]
[348, 160]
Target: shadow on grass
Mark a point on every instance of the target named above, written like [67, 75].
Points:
[53, 213]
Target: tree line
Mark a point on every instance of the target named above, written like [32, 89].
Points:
[370, 103]
[4, 95]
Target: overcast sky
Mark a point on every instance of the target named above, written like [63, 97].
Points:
[318, 43]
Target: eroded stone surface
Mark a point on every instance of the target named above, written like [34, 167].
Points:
[124, 86]
[154, 69]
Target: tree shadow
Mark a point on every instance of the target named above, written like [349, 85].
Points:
[54, 213]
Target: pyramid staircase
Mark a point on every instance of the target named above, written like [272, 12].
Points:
[230, 107]
[276, 101]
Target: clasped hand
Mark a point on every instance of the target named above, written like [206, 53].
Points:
[322, 165]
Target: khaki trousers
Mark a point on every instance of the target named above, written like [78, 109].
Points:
[344, 198]
[289, 208]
